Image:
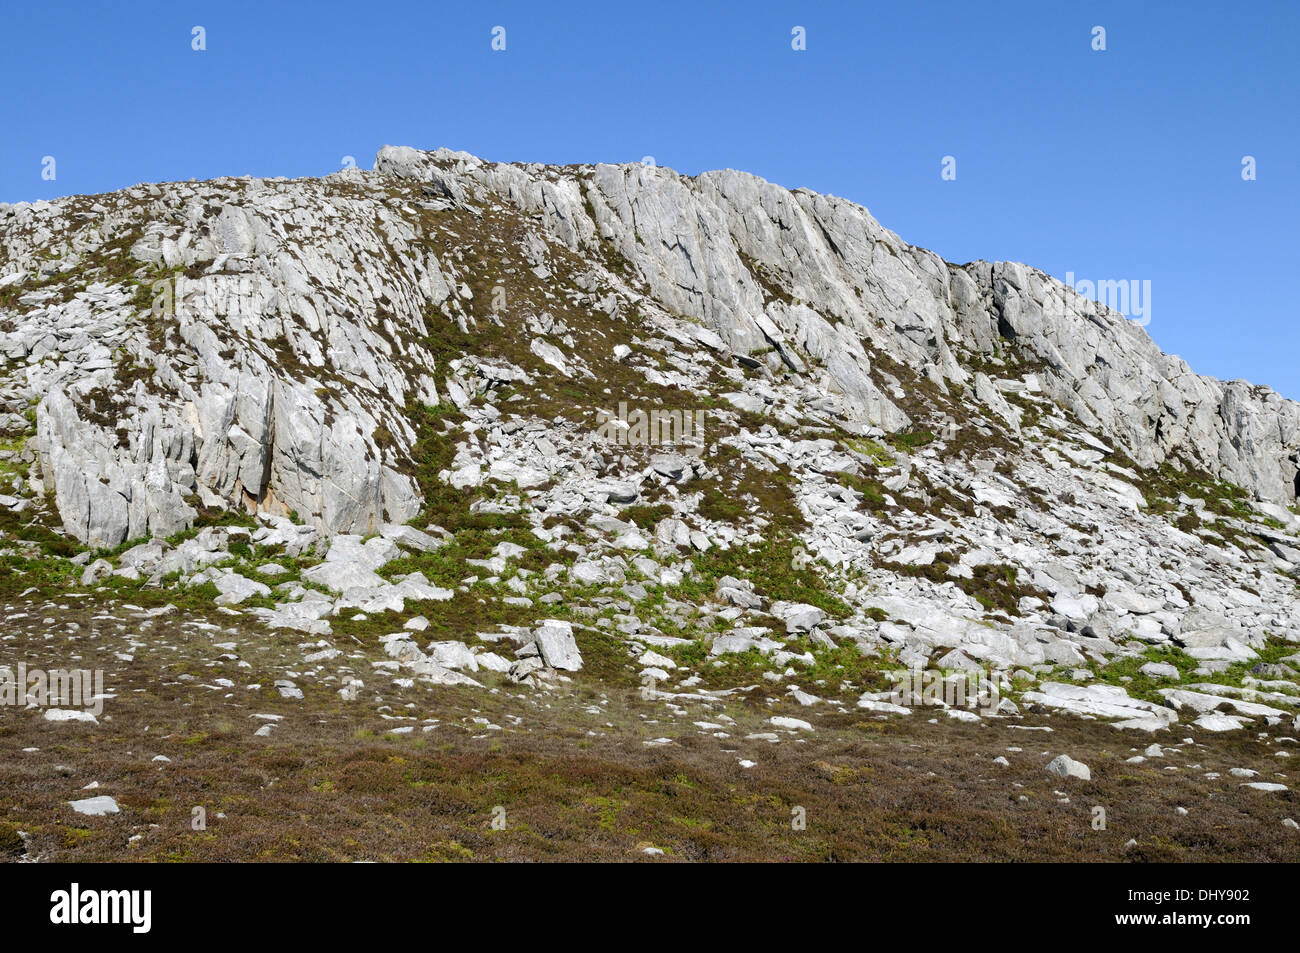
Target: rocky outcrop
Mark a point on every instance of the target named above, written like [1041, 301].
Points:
[259, 343]
[717, 247]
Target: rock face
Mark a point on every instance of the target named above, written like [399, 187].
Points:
[257, 343]
[714, 247]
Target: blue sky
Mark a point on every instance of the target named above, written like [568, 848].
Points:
[1115, 165]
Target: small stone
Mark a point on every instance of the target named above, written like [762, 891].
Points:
[96, 806]
[1067, 767]
[791, 724]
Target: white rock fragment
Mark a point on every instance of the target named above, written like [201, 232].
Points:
[790, 724]
[96, 806]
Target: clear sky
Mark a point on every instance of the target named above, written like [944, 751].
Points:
[1122, 164]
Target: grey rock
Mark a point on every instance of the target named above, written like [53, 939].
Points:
[557, 646]
[1160, 670]
[798, 617]
[96, 571]
[412, 538]
[1067, 767]
[340, 576]
[235, 588]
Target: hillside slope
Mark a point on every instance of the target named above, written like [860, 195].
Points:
[704, 434]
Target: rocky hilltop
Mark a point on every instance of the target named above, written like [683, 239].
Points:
[703, 433]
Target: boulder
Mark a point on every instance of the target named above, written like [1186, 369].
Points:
[1066, 767]
[557, 646]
